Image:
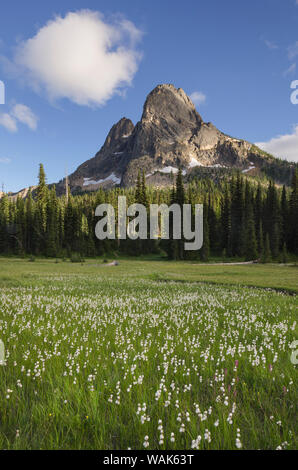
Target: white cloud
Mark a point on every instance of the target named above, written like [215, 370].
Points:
[271, 45]
[292, 54]
[293, 51]
[81, 57]
[197, 97]
[5, 160]
[283, 146]
[19, 113]
[290, 70]
[25, 115]
[7, 121]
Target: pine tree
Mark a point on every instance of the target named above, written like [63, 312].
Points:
[20, 224]
[237, 215]
[4, 223]
[138, 195]
[266, 258]
[144, 191]
[225, 221]
[258, 210]
[293, 214]
[275, 236]
[212, 224]
[205, 250]
[251, 252]
[180, 192]
[284, 254]
[52, 247]
[42, 190]
[272, 219]
[29, 235]
[284, 209]
[180, 200]
[42, 197]
[261, 240]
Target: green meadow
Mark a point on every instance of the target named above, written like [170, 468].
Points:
[149, 354]
[281, 277]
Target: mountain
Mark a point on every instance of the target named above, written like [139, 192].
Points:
[170, 135]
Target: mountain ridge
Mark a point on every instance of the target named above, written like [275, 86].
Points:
[171, 134]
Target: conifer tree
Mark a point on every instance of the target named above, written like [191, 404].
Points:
[42, 190]
[251, 252]
[52, 247]
[138, 196]
[29, 234]
[284, 254]
[180, 192]
[261, 240]
[226, 222]
[272, 219]
[237, 215]
[284, 209]
[205, 250]
[293, 214]
[4, 223]
[258, 209]
[266, 258]
[144, 199]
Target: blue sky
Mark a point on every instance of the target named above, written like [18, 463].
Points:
[69, 81]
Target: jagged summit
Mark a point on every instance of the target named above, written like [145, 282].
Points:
[167, 102]
[118, 132]
[170, 135]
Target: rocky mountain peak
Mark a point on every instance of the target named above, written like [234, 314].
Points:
[170, 135]
[121, 130]
[170, 104]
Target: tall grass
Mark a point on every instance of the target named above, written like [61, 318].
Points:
[97, 362]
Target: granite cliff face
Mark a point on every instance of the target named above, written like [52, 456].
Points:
[170, 135]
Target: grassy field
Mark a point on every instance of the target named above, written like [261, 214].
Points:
[17, 272]
[147, 355]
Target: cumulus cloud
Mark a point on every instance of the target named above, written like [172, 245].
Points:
[19, 113]
[197, 97]
[7, 121]
[81, 57]
[283, 146]
[25, 115]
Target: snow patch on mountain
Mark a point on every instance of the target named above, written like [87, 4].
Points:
[112, 177]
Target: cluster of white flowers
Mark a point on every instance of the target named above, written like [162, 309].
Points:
[146, 442]
[238, 439]
[181, 349]
[282, 446]
[207, 435]
[195, 444]
[161, 435]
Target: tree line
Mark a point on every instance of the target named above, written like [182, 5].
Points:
[242, 219]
